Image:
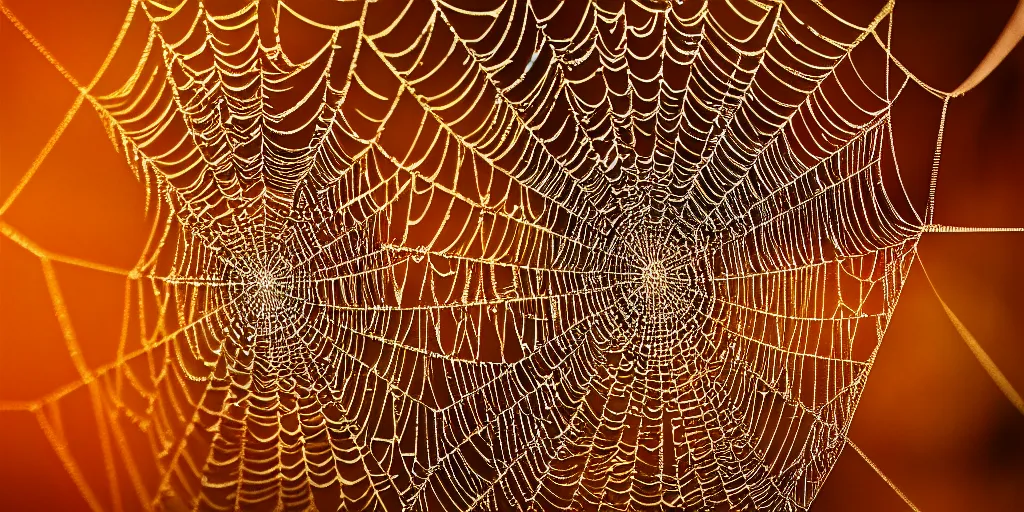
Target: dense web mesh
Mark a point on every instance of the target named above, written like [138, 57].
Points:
[432, 255]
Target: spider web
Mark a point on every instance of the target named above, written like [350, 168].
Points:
[496, 255]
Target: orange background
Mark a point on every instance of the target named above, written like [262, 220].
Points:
[930, 417]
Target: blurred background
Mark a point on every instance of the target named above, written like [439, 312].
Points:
[930, 416]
